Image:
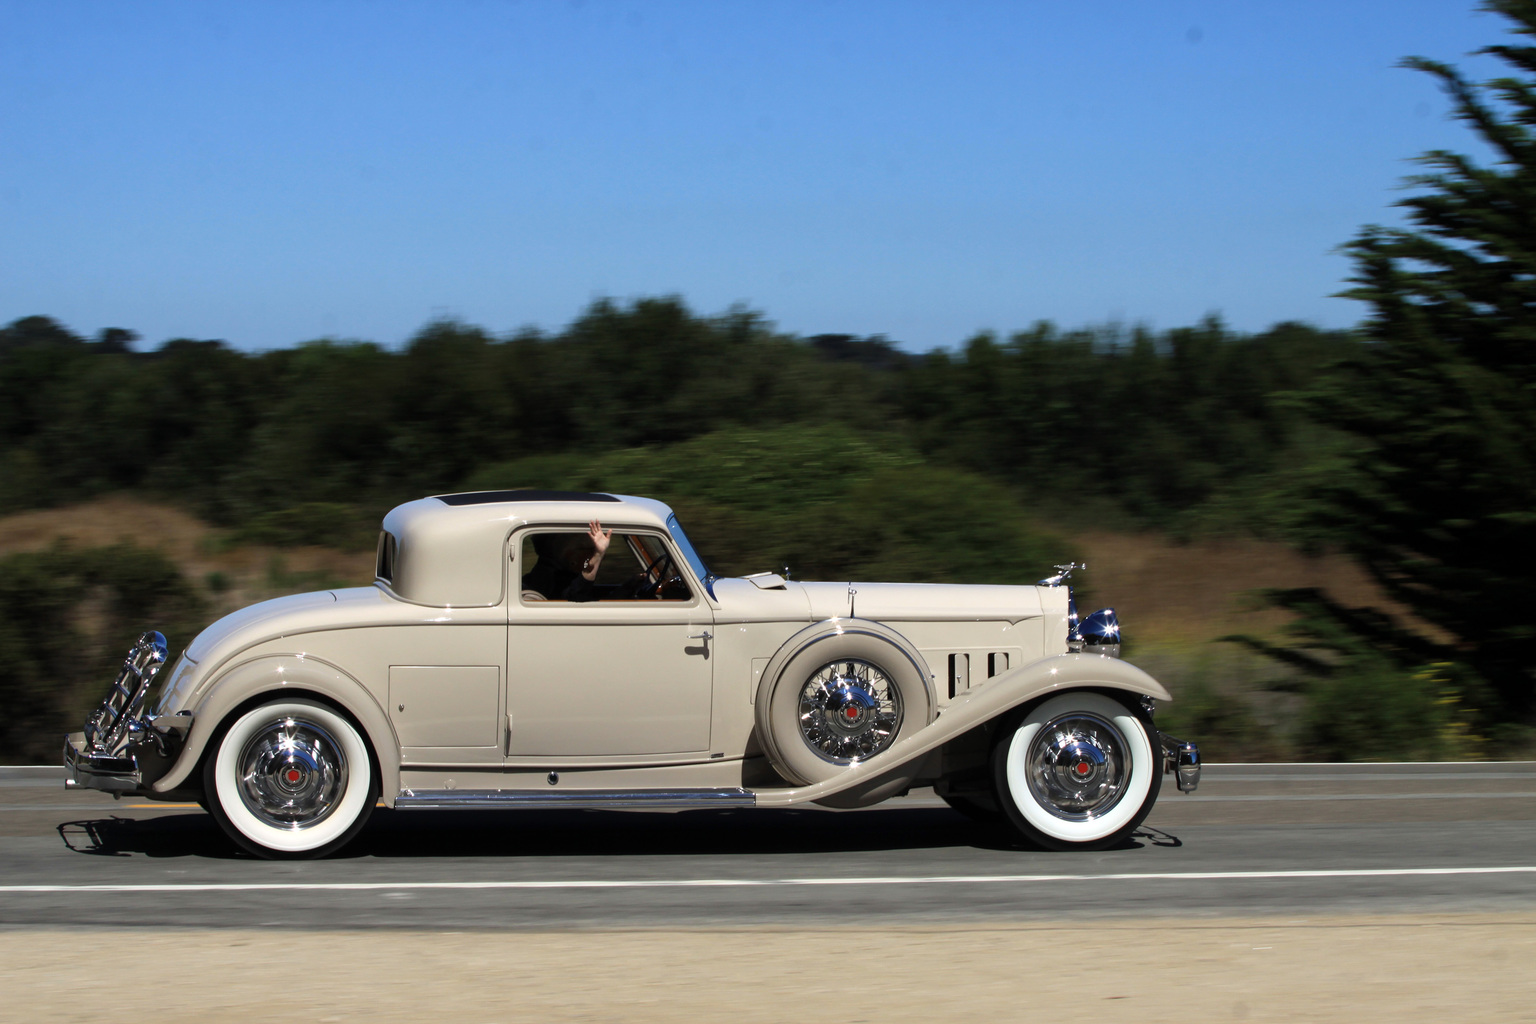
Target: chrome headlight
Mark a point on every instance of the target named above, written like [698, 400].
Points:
[1100, 633]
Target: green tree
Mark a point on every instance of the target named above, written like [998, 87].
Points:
[1441, 506]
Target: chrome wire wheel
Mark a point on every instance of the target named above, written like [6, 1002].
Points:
[292, 773]
[1078, 764]
[849, 710]
[808, 689]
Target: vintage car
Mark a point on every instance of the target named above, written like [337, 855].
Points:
[492, 665]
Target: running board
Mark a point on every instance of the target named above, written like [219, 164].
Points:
[611, 799]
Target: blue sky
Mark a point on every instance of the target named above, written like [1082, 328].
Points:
[270, 173]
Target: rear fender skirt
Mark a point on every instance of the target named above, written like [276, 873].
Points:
[978, 706]
[286, 676]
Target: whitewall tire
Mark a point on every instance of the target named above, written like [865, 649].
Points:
[1076, 771]
[292, 778]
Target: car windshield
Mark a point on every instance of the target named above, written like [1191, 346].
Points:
[686, 546]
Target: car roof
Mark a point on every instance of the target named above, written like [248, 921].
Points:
[495, 497]
[450, 544]
[532, 506]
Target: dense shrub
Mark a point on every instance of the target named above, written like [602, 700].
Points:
[67, 618]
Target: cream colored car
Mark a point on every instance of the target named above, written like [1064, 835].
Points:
[498, 661]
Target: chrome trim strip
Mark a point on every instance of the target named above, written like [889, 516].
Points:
[454, 799]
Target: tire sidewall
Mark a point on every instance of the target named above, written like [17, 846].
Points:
[802, 764]
[1010, 774]
[221, 786]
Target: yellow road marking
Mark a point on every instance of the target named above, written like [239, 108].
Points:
[136, 806]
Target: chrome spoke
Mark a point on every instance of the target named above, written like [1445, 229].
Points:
[849, 711]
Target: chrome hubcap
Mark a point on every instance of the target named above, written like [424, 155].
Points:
[292, 773]
[849, 711]
[1078, 766]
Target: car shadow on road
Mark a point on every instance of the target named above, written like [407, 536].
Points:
[721, 832]
[587, 833]
[172, 835]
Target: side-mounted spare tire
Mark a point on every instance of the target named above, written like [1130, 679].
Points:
[839, 693]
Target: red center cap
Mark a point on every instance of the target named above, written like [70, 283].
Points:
[852, 713]
[294, 776]
[1082, 768]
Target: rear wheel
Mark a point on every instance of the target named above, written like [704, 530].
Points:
[292, 778]
[1076, 772]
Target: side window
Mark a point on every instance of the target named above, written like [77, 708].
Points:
[388, 555]
[636, 567]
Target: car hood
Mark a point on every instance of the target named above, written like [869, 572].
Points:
[918, 602]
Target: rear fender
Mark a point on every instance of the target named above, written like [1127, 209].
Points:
[276, 678]
[870, 781]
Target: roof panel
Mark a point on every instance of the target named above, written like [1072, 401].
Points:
[492, 497]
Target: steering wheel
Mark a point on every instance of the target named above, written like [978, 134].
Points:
[655, 577]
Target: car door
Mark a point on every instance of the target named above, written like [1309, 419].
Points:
[627, 677]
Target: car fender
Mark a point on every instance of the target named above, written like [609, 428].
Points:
[279, 676]
[869, 781]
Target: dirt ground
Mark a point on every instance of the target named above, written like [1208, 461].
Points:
[196, 547]
[1466, 968]
[1204, 589]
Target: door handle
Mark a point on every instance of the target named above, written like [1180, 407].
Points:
[706, 635]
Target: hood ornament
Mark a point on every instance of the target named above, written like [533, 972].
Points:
[1062, 572]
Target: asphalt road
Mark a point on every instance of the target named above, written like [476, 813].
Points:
[1256, 840]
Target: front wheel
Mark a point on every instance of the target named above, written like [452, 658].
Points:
[292, 778]
[1076, 772]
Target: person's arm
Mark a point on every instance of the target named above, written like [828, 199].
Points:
[600, 540]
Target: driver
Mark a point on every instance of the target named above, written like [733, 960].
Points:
[568, 563]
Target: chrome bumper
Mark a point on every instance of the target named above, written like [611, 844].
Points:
[105, 755]
[1182, 760]
[82, 770]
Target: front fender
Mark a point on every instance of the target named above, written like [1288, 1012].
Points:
[285, 675]
[978, 706]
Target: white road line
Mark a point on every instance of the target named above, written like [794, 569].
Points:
[748, 883]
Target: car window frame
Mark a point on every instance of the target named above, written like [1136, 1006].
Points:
[520, 537]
